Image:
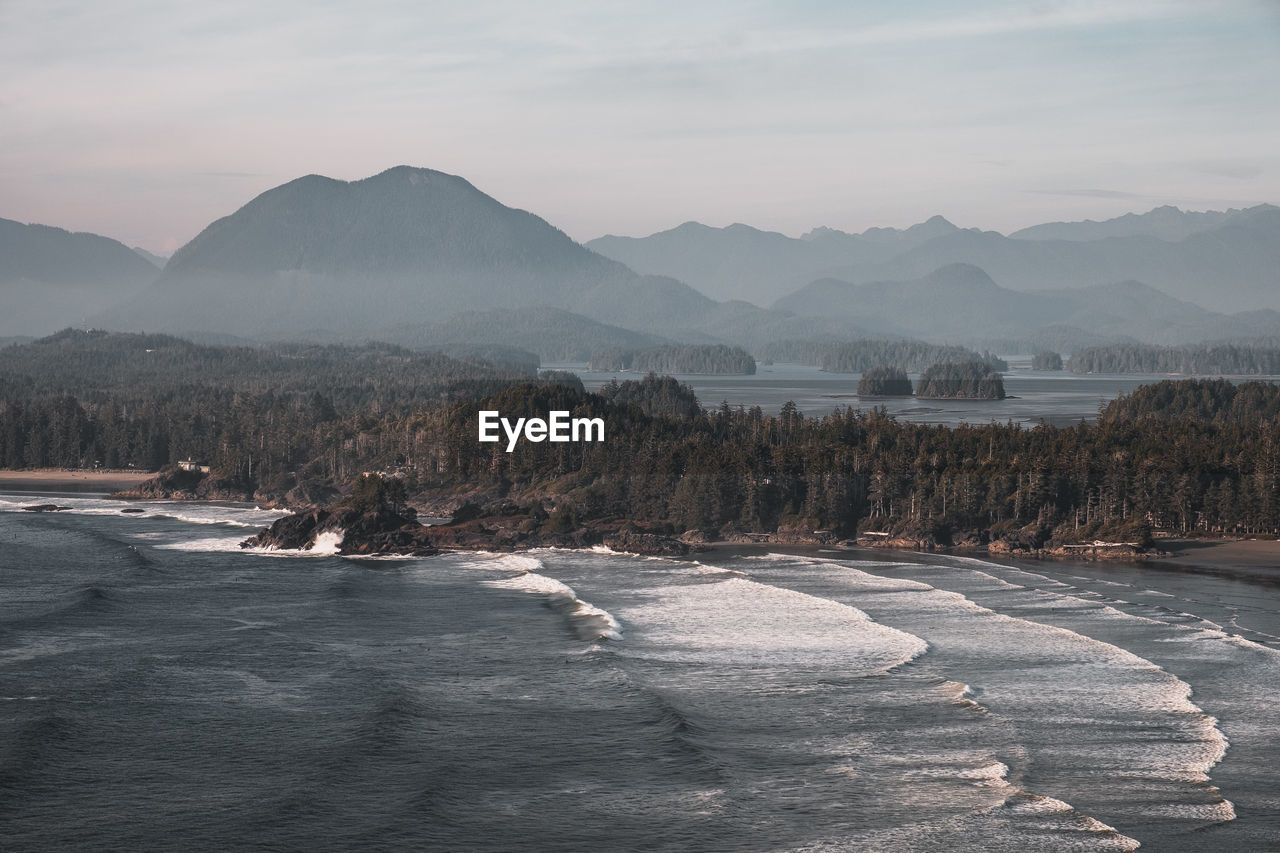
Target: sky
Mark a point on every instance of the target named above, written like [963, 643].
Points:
[145, 120]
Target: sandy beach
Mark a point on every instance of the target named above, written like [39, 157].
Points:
[1250, 553]
[59, 479]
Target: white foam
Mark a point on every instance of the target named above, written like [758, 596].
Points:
[208, 544]
[327, 542]
[741, 622]
[587, 618]
[191, 512]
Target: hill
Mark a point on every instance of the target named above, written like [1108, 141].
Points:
[50, 277]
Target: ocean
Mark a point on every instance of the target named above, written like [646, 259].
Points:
[1055, 397]
[160, 689]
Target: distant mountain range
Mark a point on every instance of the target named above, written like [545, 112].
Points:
[423, 258]
[51, 278]
[961, 303]
[1166, 223]
[1223, 261]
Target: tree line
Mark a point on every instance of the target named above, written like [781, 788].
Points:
[861, 355]
[1195, 360]
[715, 359]
[1192, 455]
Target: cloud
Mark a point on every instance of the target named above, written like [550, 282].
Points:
[1242, 170]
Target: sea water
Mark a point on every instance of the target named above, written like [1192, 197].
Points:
[1055, 397]
[162, 689]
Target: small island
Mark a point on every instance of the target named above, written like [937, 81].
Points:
[968, 380]
[884, 381]
[1046, 360]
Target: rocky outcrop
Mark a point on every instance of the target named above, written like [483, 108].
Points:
[180, 485]
[649, 544]
[377, 532]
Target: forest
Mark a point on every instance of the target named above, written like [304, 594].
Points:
[712, 359]
[1192, 455]
[1046, 360]
[973, 380]
[857, 356]
[1227, 359]
[884, 381]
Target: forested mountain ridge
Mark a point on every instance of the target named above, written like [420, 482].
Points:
[98, 365]
[50, 277]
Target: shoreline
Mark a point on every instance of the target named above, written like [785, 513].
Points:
[71, 480]
[1175, 552]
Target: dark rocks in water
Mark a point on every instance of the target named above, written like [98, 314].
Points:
[132, 509]
[376, 532]
[45, 508]
[649, 544]
[503, 533]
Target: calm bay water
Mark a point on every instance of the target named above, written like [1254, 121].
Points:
[1056, 397]
[161, 689]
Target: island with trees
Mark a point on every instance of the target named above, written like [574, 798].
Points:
[1046, 360]
[861, 355]
[884, 381]
[970, 380]
[1199, 360]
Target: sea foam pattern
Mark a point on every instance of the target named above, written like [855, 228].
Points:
[588, 621]
[1097, 718]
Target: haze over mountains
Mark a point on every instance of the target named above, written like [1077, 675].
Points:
[423, 258]
[51, 278]
[1225, 261]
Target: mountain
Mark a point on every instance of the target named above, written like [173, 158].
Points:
[155, 260]
[1221, 261]
[405, 246]
[960, 302]
[1234, 267]
[741, 262]
[1166, 223]
[51, 278]
[736, 262]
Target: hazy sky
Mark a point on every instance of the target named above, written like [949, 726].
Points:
[145, 120]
